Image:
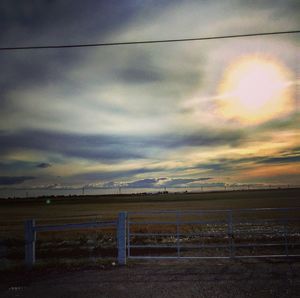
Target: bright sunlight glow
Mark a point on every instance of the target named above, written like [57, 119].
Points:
[255, 89]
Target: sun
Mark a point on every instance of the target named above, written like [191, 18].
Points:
[255, 89]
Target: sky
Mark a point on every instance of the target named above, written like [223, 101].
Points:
[175, 115]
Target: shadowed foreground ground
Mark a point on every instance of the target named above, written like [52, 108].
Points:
[209, 278]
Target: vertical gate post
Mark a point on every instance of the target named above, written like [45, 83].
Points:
[230, 234]
[177, 234]
[30, 238]
[121, 238]
[285, 227]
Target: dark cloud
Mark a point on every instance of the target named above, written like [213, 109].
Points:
[11, 167]
[216, 167]
[92, 147]
[206, 137]
[289, 122]
[67, 21]
[53, 22]
[226, 164]
[112, 149]
[16, 166]
[164, 182]
[43, 165]
[281, 160]
[94, 176]
[289, 156]
[108, 148]
[144, 183]
[7, 180]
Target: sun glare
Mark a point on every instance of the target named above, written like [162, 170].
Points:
[255, 89]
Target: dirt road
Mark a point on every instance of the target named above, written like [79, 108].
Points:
[209, 278]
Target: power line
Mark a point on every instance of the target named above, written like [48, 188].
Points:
[39, 47]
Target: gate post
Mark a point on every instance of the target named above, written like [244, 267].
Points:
[30, 238]
[121, 237]
[230, 234]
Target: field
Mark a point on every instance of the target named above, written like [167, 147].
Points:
[95, 243]
[63, 208]
[79, 263]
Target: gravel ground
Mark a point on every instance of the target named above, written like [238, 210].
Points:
[183, 278]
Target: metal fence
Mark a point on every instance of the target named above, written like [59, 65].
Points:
[204, 234]
[196, 234]
[31, 230]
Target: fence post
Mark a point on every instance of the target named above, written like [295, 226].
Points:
[286, 248]
[30, 238]
[177, 235]
[121, 238]
[230, 234]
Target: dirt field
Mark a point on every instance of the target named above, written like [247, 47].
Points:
[13, 213]
[96, 277]
[207, 278]
[99, 243]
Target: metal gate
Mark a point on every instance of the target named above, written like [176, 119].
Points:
[203, 234]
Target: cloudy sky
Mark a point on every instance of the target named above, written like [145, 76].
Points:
[174, 114]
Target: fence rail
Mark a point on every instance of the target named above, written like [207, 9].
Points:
[97, 224]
